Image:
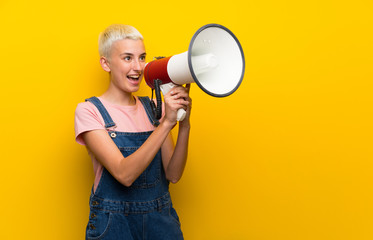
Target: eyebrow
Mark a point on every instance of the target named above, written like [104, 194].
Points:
[131, 54]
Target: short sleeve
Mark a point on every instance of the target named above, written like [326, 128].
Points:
[87, 118]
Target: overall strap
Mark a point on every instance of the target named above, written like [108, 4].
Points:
[105, 115]
[149, 111]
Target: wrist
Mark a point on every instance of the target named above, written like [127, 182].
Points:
[167, 124]
[184, 125]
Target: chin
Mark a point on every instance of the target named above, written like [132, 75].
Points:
[133, 89]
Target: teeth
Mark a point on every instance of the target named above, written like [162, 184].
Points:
[134, 76]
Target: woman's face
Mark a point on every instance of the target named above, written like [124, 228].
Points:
[127, 62]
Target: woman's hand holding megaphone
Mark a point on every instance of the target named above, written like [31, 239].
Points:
[177, 98]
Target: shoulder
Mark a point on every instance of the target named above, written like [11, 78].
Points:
[87, 112]
[87, 118]
[85, 107]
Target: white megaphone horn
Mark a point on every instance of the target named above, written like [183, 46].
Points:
[214, 60]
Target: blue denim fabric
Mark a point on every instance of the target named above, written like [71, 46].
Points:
[139, 212]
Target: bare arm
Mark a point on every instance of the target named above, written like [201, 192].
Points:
[174, 158]
[126, 170]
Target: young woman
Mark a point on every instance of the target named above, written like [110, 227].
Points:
[134, 157]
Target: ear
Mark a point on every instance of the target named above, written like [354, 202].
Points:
[105, 64]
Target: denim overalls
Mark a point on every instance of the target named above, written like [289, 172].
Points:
[143, 210]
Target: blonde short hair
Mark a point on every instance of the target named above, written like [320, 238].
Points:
[114, 33]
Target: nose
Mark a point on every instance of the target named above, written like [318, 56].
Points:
[137, 65]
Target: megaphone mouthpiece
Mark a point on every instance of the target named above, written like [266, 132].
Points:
[157, 69]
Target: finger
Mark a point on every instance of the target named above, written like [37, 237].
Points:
[181, 94]
[180, 103]
[181, 88]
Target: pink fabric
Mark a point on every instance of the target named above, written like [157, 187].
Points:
[127, 119]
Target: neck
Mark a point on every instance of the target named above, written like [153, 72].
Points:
[119, 97]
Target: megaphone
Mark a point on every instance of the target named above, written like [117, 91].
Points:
[214, 61]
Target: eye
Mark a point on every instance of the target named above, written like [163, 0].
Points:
[128, 58]
[142, 58]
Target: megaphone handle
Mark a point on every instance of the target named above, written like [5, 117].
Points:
[165, 88]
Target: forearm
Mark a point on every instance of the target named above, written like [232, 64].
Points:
[176, 164]
[131, 167]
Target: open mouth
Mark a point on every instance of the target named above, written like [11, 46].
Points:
[134, 78]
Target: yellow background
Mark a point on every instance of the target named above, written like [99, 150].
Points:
[288, 156]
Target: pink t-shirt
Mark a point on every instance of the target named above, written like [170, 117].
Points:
[126, 118]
